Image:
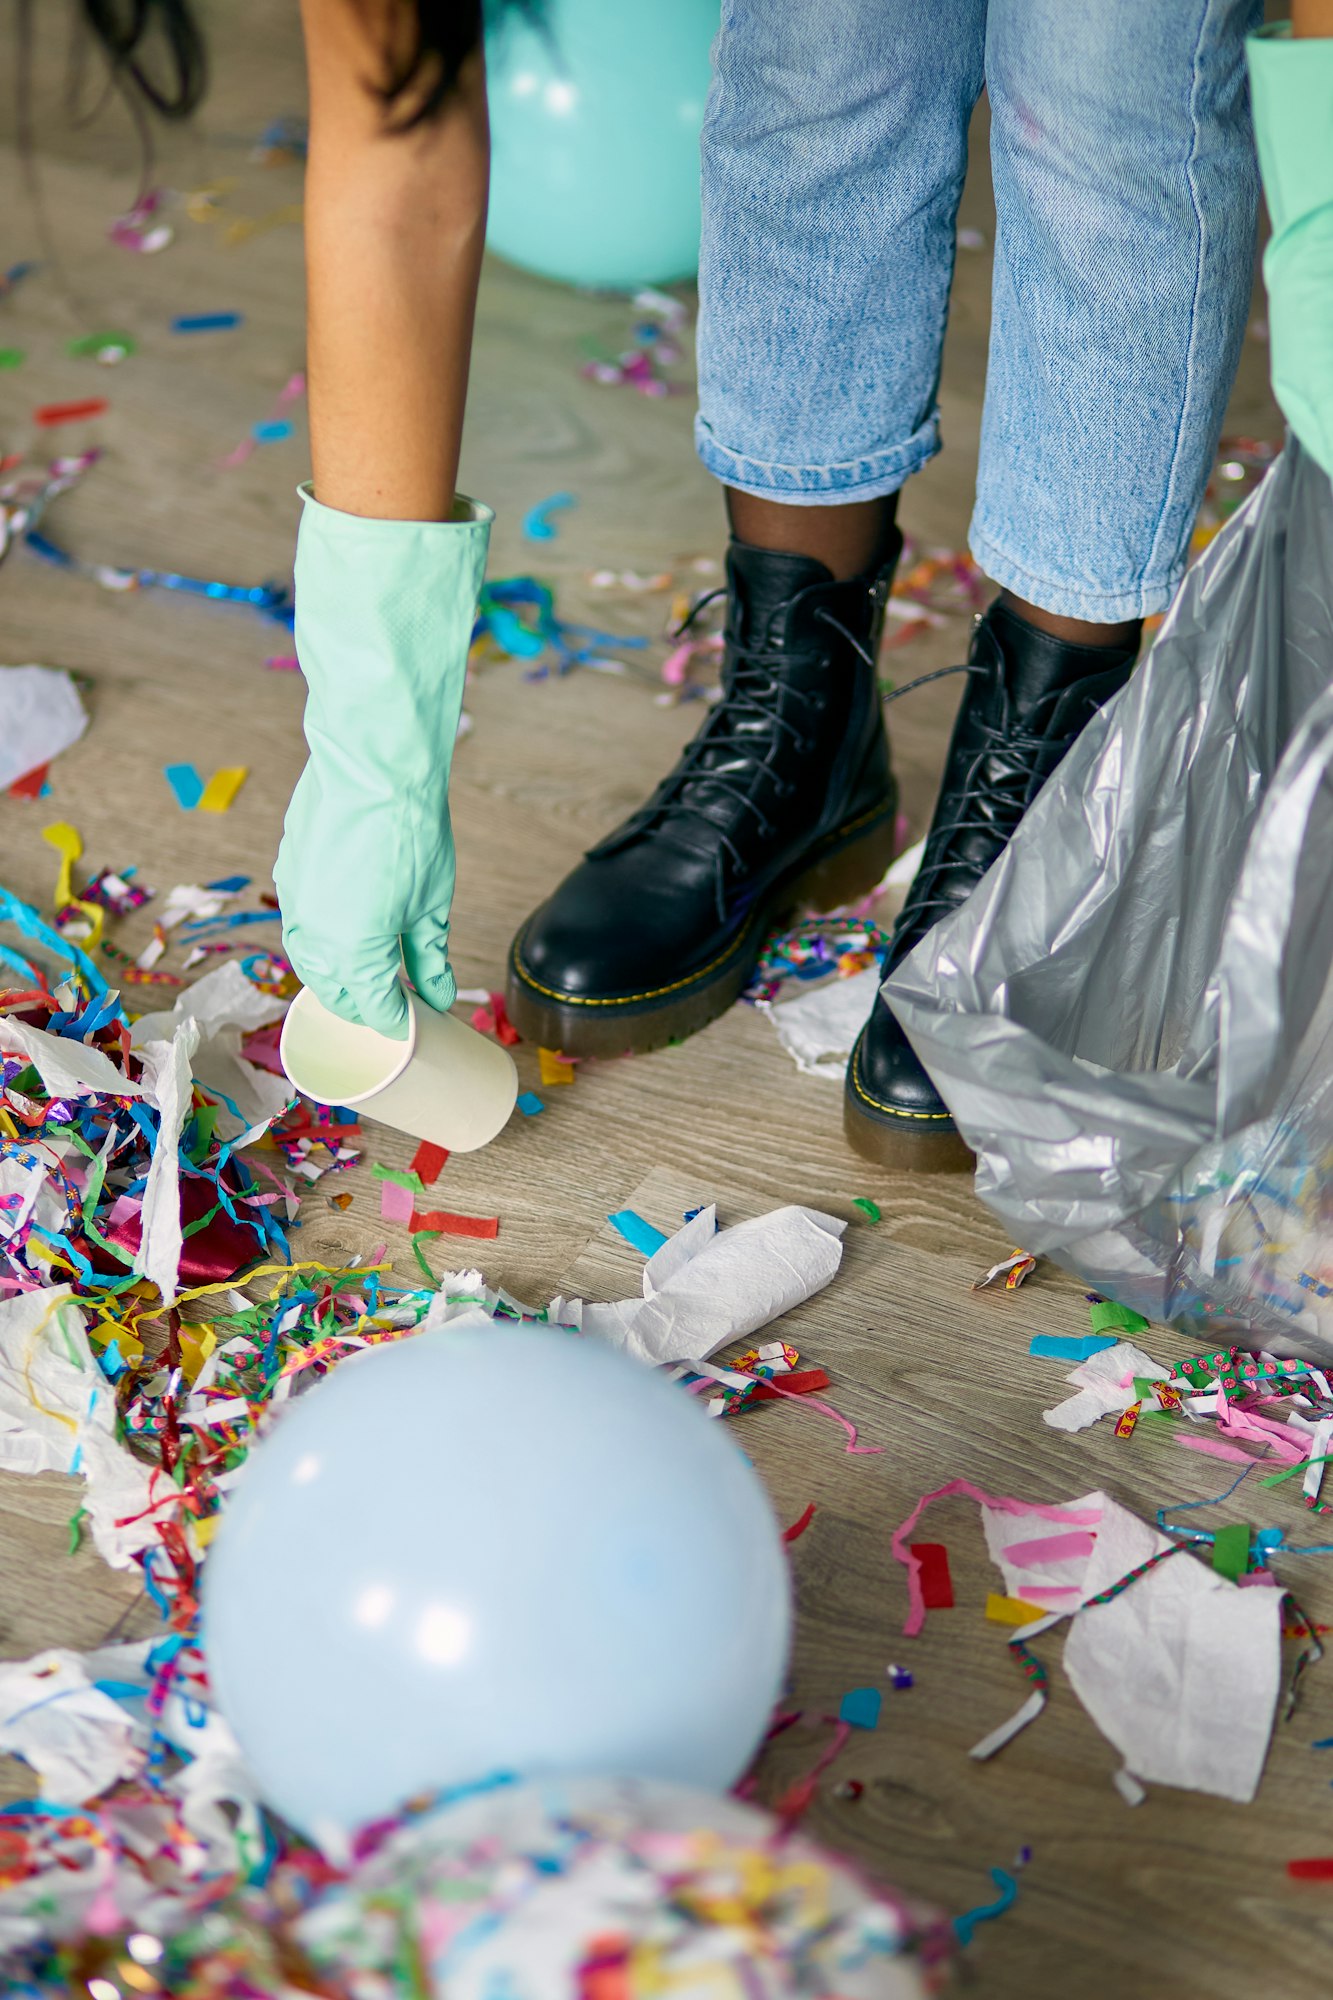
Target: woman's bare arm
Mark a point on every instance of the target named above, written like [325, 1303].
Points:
[394, 228]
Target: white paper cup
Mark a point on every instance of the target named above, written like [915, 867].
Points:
[445, 1083]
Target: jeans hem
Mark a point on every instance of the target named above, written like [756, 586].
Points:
[868, 478]
[1068, 599]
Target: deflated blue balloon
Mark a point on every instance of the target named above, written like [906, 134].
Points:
[492, 1551]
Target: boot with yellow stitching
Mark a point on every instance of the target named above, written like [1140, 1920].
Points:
[783, 801]
[1028, 696]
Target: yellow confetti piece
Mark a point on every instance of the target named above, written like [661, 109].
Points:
[202, 1532]
[246, 226]
[197, 1343]
[553, 1070]
[68, 844]
[222, 788]
[1011, 1610]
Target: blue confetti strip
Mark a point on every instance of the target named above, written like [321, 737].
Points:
[640, 1234]
[983, 1913]
[205, 322]
[536, 523]
[1062, 1347]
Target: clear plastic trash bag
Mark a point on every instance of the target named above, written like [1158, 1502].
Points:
[1131, 1019]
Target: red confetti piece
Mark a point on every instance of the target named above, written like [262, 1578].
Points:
[798, 1527]
[933, 1570]
[455, 1225]
[428, 1160]
[69, 413]
[803, 1383]
[1318, 1868]
[29, 786]
[505, 1031]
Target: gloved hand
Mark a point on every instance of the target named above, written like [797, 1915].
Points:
[1291, 83]
[365, 873]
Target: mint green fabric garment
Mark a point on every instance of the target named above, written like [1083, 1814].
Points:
[365, 873]
[1291, 83]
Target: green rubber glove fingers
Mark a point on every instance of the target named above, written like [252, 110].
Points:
[1291, 83]
[365, 873]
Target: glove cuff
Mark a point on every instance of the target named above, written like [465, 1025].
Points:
[353, 530]
[402, 594]
[1291, 87]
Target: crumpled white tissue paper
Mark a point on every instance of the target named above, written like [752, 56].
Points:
[706, 1286]
[40, 715]
[1181, 1671]
[57, 1414]
[226, 1006]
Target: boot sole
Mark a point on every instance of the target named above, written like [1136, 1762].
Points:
[903, 1142]
[852, 864]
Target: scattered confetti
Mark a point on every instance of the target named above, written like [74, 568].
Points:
[936, 1584]
[640, 1235]
[428, 1161]
[186, 783]
[219, 794]
[51, 414]
[216, 322]
[444, 1224]
[537, 521]
[861, 1707]
[1014, 1269]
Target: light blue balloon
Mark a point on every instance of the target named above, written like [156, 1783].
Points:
[485, 1551]
[595, 121]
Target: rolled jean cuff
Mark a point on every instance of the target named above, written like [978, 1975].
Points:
[866, 478]
[1067, 598]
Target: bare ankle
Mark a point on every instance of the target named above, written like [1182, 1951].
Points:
[849, 540]
[1074, 631]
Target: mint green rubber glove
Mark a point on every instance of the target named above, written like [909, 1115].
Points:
[1291, 84]
[365, 873]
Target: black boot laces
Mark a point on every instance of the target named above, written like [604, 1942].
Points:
[993, 801]
[751, 693]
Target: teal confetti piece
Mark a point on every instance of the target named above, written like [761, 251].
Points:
[640, 1234]
[536, 523]
[186, 783]
[860, 1707]
[983, 1912]
[530, 1105]
[1059, 1347]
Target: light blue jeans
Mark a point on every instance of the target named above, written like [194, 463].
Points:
[834, 150]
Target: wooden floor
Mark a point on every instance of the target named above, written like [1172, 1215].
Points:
[1184, 1897]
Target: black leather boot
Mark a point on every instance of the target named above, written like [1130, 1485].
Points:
[784, 800]
[1028, 696]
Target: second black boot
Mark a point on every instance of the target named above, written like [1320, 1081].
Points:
[783, 800]
[1028, 696]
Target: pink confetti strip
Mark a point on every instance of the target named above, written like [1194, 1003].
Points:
[1215, 1448]
[1074, 1517]
[292, 390]
[826, 1409]
[1050, 1548]
[1263, 1430]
